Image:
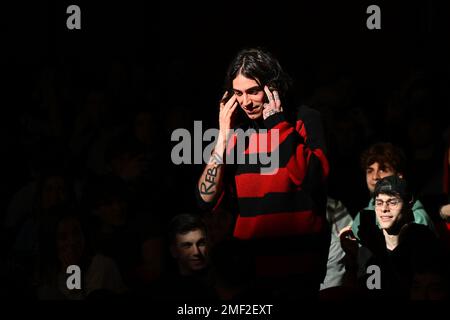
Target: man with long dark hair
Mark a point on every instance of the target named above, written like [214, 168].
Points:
[280, 209]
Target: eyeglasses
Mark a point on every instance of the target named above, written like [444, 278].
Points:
[391, 203]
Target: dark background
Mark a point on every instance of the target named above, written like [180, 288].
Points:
[177, 53]
[170, 58]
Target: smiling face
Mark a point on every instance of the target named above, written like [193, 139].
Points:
[190, 251]
[389, 211]
[250, 96]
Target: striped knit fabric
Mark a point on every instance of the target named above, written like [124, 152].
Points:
[284, 213]
[280, 204]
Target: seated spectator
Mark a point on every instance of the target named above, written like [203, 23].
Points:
[113, 228]
[401, 248]
[187, 237]
[382, 160]
[63, 243]
[338, 217]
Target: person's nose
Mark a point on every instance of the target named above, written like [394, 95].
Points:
[376, 175]
[245, 100]
[196, 251]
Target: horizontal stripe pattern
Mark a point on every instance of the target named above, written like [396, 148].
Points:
[275, 202]
[278, 224]
[277, 205]
[253, 185]
[261, 140]
[287, 203]
[250, 162]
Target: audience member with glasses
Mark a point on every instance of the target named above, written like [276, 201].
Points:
[409, 257]
[378, 161]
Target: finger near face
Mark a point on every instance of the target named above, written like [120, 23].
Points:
[233, 107]
[268, 93]
[225, 95]
[223, 101]
[276, 97]
[230, 102]
[269, 96]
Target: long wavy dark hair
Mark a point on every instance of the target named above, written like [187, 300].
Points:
[261, 66]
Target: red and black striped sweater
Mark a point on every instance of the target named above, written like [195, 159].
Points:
[284, 212]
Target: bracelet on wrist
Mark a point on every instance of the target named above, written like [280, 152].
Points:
[271, 112]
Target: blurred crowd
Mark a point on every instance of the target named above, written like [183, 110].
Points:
[89, 178]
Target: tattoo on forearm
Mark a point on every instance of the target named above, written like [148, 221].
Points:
[209, 183]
